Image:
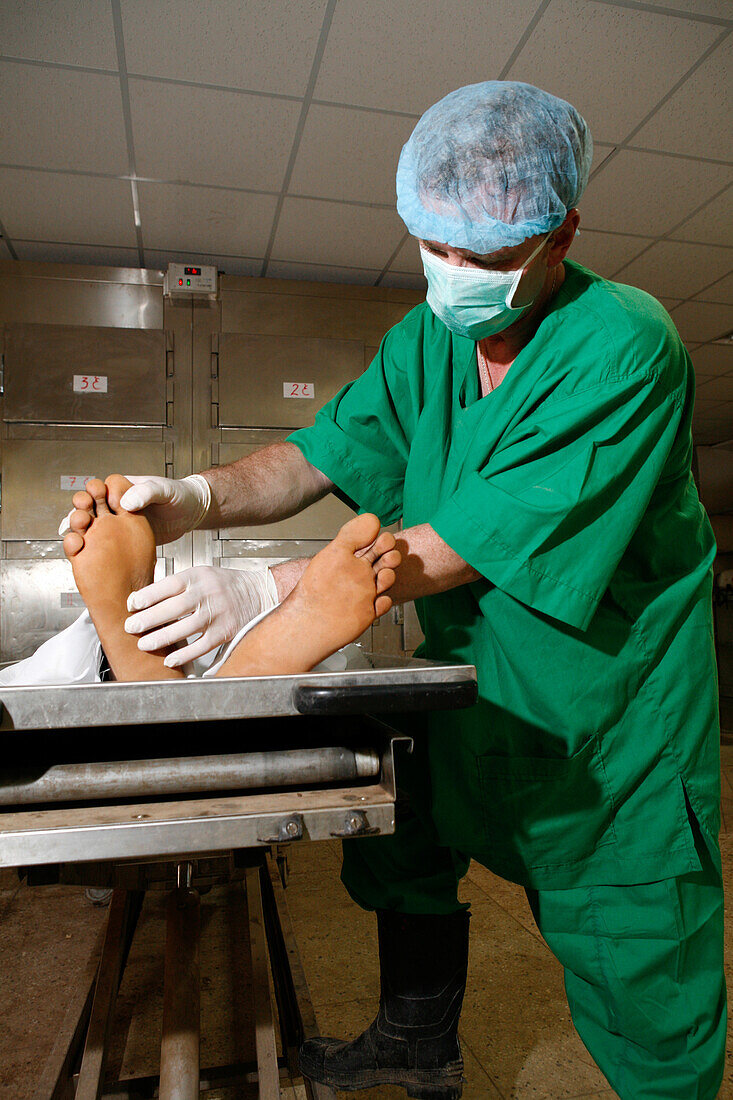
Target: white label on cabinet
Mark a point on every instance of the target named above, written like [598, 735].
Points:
[299, 389]
[90, 383]
[72, 482]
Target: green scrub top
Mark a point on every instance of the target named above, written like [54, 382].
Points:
[569, 489]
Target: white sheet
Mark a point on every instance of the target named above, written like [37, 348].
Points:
[72, 657]
[75, 656]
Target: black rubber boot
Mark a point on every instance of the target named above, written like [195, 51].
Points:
[413, 1042]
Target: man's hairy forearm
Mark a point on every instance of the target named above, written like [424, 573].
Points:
[278, 481]
[271, 484]
[428, 566]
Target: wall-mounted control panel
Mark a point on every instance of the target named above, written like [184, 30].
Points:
[190, 281]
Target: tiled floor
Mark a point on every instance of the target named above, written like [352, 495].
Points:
[517, 1038]
[516, 1034]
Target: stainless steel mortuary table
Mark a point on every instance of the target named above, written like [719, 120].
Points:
[190, 783]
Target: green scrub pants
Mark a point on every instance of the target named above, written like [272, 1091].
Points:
[643, 964]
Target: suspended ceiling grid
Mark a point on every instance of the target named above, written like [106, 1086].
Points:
[264, 137]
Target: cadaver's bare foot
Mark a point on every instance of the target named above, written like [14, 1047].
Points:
[341, 593]
[112, 553]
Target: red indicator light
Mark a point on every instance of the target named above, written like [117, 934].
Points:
[180, 282]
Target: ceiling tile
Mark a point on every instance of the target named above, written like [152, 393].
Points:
[719, 9]
[677, 270]
[402, 57]
[333, 233]
[605, 252]
[712, 360]
[623, 60]
[713, 224]
[225, 138]
[670, 303]
[348, 154]
[722, 291]
[705, 98]
[239, 43]
[600, 153]
[321, 273]
[45, 252]
[408, 258]
[69, 32]
[404, 281]
[57, 118]
[648, 193]
[227, 265]
[50, 206]
[702, 321]
[205, 219]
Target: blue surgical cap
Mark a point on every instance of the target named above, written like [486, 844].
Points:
[492, 164]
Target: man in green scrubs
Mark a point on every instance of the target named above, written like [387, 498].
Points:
[530, 424]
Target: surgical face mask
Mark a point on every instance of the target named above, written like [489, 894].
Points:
[473, 302]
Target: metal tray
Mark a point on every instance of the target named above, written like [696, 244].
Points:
[386, 685]
[172, 829]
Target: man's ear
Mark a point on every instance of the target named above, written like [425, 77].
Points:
[563, 238]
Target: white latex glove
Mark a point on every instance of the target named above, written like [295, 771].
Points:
[206, 600]
[171, 507]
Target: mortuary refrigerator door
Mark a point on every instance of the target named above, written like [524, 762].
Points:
[40, 477]
[281, 381]
[71, 374]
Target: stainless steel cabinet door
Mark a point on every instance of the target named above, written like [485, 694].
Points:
[281, 381]
[38, 599]
[39, 478]
[64, 374]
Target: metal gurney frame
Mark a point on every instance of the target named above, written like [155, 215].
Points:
[122, 843]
